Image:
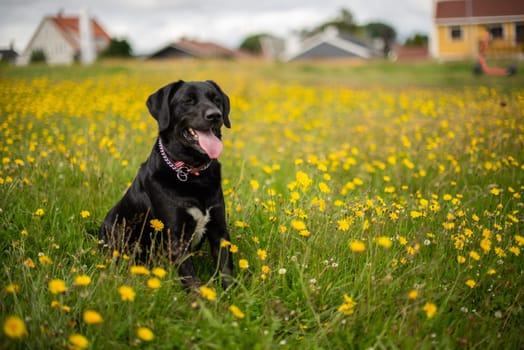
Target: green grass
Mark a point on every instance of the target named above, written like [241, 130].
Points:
[424, 156]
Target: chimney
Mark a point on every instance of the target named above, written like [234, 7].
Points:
[87, 46]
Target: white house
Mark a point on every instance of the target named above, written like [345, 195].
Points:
[60, 40]
[330, 44]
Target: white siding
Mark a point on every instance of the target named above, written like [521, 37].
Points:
[56, 48]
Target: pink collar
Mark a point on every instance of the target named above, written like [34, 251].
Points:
[181, 169]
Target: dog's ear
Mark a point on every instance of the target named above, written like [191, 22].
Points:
[158, 104]
[225, 104]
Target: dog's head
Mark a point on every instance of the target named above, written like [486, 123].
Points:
[190, 115]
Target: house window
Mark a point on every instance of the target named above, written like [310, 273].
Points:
[496, 31]
[455, 33]
[519, 33]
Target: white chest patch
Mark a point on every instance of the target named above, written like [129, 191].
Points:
[201, 220]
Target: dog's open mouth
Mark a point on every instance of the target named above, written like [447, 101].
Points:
[205, 141]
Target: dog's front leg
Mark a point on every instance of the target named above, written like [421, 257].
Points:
[187, 273]
[224, 261]
[217, 234]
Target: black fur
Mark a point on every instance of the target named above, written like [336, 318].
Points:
[157, 192]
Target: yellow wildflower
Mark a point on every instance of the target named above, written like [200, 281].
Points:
[236, 311]
[357, 246]
[159, 272]
[153, 283]
[145, 334]
[262, 254]
[139, 270]
[82, 280]
[347, 308]
[78, 341]
[384, 242]
[430, 309]
[127, 293]
[413, 294]
[471, 283]
[57, 286]
[243, 264]
[14, 327]
[92, 317]
[156, 225]
[208, 293]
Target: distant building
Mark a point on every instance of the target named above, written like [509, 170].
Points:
[58, 37]
[8, 55]
[460, 24]
[194, 49]
[331, 44]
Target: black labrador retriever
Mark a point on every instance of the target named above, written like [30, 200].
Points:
[179, 186]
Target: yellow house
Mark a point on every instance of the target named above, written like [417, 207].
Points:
[460, 25]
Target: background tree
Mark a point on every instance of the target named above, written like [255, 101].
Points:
[417, 40]
[252, 43]
[117, 48]
[385, 32]
[344, 22]
[38, 56]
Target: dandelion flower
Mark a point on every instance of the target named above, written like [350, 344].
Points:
[357, 246]
[208, 293]
[254, 185]
[298, 225]
[45, 260]
[85, 214]
[225, 243]
[413, 294]
[139, 270]
[127, 293]
[156, 225]
[471, 283]
[145, 334]
[153, 283]
[159, 272]
[12, 288]
[29, 263]
[57, 286]
[233, 249]
[384, 242]
[347, 308]
[78, 341]
[14, 327]
[39, 212]
[243, 264]
[236, 311]
[241, 224]
[82, 280]
[343, 225]
[430, 309]
[415, 214]
[92, 317]
[474, 255]
[262, 254]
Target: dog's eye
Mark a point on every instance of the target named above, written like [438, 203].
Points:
[189, 100]
[217, 100]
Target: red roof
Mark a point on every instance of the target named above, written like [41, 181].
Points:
[449, 9]
[204, 49]
[70, 27]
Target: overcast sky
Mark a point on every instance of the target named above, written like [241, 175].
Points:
[150, 24]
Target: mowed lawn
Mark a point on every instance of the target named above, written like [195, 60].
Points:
[370, 206]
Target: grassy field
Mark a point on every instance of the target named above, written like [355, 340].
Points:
[374, 206]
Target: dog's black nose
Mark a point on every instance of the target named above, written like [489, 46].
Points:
[213, 115]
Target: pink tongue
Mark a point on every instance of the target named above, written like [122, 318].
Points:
[209, 143]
